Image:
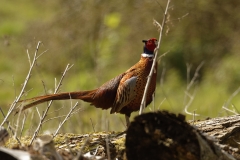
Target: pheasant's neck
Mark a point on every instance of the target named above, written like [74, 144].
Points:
[147, 55]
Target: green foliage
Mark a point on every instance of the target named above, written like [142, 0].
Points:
[103, 39]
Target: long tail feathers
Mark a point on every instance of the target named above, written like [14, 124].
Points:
[86, 96]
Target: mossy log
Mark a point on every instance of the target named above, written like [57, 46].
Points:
[154, 135]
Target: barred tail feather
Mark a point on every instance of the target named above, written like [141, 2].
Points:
[86, 96]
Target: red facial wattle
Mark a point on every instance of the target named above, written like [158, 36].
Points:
[150, 44]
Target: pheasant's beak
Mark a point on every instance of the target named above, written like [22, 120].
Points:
[144, 41]
[156, 43]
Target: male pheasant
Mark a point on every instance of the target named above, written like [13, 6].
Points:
[123, 94]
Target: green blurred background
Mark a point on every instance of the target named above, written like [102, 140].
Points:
[102, 39]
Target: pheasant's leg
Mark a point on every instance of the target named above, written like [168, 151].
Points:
[127, 123]
[127, 120]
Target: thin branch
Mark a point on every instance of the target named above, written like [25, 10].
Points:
[15, 93]
[49, 104]
[162, 75]
[29, 59]
[10, 127]
[196, 74]
[55, 82]
[26, 92]
[158, 25]
[188, 72]
[153, 98]
[66, 118]
[13, 105]
[234, 107]
[161, 103]
[38, 112]
[57, 117]
[190, 84]
[143, 102]
[189, 103]
[92, 125]
[44, 87]
[42, 53]
[231, 97]
[75, 112]
[23, 124]
[56, 110]
[229, 110]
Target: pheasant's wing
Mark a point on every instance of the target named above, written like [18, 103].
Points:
[125, 93]
[105, 95]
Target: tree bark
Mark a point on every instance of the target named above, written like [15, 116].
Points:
[163, 135]
[225, 131]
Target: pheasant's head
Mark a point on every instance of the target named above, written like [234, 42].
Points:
[150, 45]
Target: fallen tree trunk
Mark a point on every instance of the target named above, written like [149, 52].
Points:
[163, 135]
[155, 135]
[225, 130]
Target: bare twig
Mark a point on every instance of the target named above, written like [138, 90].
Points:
[157, 24]
[235, 108]
[77, 111]
[39, 115]
[10, 127]
[231, 97]
[190, 84]
[153, 97]
[42, 53]
[196, 75]
[44, 86]
[92, 125]
[26, 92]
[143, 102]
[57, 117]
[188, 72]
[162, 87]
[23, 123]
[66, 118]
[189, 103]
[225, 106]
[49, 104]
[55, 82]
[162, 75]
[161, 103]
[15, 93]
[229, 110]
[56, 110]
[29, 59]
[13, 105]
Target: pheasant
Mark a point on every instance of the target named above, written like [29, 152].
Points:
[123, 94]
